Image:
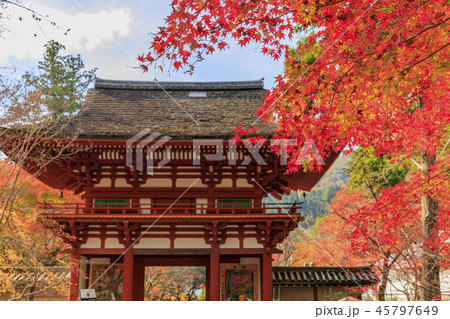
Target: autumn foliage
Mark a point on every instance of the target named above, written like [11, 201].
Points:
[371, 74]
[355, 78]
[28, 244]
[376, 220]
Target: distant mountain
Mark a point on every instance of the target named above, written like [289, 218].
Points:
[315, 202]
[335, 174]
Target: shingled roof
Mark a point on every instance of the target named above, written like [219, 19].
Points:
[323, 276]
[182, 110]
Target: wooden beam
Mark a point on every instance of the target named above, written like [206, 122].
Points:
[177, 252]
[101, 251]
[238, 251]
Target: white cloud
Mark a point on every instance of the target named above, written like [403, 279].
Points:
[130, 23]
[88, 31]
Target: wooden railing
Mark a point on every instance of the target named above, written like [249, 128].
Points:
[174, 209]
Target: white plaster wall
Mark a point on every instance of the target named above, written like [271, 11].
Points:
[189, 182]
[231, 243]
[104, 182]
[94, 233]
[92, 243]
[251, 243]
[113, 243]
[122, 182]
[163, 243]
[191, 243]
[157, 182]
[242, 182]
[226, 182]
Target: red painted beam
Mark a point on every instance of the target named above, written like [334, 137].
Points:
[177, 252]
[100, 251]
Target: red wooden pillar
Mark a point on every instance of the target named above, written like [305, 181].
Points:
[266, 286]
[74, 274]
[128, 264]
[214, 274]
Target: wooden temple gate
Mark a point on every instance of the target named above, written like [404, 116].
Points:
[203, 207]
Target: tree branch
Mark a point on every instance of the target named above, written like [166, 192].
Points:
[426, 58]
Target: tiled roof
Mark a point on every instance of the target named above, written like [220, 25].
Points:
[120, 109]
[323, 276]
[289, 276]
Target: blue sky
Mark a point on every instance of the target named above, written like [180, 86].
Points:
[110, 35]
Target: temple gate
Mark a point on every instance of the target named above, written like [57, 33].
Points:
[163, 185]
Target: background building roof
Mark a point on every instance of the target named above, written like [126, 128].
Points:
[323, 276]
[291, 276]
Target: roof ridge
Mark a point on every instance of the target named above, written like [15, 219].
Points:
[178, 85]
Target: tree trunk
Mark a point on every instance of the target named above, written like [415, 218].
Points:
[384, 279]
[431, 282]
[382, 290]
[31, 298]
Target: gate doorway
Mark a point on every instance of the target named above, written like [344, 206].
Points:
[171, 278]
[180, 283]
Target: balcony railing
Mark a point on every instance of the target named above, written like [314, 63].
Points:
[174, 209]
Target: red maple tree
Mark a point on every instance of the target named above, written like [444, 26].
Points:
[370, 73]
[29, 245]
